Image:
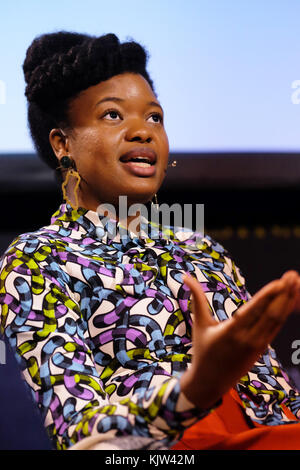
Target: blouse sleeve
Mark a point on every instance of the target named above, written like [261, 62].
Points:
[44, 325]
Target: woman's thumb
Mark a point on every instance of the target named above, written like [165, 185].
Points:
[200, 309]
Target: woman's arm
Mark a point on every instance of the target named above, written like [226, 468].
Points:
[224, 352]
[45, 326]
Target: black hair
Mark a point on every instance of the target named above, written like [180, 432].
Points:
[58, 66]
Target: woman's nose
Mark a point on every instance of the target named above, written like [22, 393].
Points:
[139, 132]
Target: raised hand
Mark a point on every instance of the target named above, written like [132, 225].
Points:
[224, 352]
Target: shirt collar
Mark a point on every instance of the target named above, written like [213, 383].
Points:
[110, 230]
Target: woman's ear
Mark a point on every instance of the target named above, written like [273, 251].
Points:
[59, 143]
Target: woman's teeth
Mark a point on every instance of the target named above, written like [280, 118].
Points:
[142, 164]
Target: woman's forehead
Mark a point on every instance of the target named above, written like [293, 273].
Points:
[124, 86]
[125, 89]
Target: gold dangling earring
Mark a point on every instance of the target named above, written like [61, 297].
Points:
[68, 164]
[155, 203]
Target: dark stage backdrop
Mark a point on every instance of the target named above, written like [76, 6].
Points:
[251, 207]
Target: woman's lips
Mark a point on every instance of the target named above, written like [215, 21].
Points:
[145, 167]
[137, 169]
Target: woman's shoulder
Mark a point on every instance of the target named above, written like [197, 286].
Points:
[32, 244]
[197, 241]
[63, 230]
[203, 247]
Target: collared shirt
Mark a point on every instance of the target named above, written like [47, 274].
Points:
[101, 323]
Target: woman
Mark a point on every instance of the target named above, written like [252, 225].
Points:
[102, 324]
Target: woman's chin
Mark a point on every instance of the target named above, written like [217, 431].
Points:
[139, 194]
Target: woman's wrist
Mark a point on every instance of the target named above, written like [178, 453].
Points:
[193, 390]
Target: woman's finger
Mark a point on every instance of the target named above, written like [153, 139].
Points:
[297, 302]
[252, 312]
[263, 316]
[278, 311]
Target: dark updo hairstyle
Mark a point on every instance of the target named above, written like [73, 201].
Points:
[58, 66]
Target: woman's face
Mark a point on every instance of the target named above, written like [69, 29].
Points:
[117, 141]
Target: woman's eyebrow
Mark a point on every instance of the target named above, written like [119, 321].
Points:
[109, 98]
[154, 103]
[119, 100]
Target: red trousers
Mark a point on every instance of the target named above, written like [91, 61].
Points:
[227, 429]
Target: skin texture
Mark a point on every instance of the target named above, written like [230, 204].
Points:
[99, 134]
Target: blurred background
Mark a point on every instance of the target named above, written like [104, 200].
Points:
[228, 76]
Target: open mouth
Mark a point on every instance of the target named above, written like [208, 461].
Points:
[140, 161]
[141, 156]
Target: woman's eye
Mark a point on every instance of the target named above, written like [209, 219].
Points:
[156, 118]
[112, 115]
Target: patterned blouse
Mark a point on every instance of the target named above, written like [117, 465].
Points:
[101, 326]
